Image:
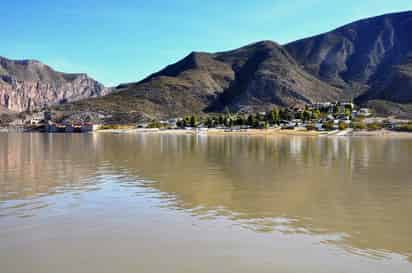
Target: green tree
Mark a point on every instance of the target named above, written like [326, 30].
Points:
[209, 122]
[348, 112]
[374, 126]
[299, 115]
[186, 121]
[328, 125]
[240, 121]
[193, 121]
[307, 115]
[259, 117]
[221, 120]
[227, 121]
[250, 120]
[316, 114]
[336, 109]
[180, 124]
[286, 114]
[359, 125]
[154, 124]
[274, 116]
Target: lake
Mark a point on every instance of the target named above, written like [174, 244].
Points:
[184, 203]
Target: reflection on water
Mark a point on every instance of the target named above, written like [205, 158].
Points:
[354, 193]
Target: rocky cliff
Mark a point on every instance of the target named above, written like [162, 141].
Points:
[29, 85]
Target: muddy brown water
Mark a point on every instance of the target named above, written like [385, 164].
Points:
[183, 203]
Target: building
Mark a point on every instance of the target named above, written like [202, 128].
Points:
[364, 112]
[71, 128]
[172, 123]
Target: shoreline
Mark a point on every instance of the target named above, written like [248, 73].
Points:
[264, 132]
[250, 132]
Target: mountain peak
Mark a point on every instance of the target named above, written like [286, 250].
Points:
[265, 43]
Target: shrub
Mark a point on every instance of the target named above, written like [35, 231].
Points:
[360, 125]
[343, 126]
[374, 126]
[115, 127]
[328, 125]
[405, 127]
[154, 124]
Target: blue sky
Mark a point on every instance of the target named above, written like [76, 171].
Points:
[124, 40]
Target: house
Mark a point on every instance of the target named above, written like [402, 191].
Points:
[322, 106]
[364, 112]
[164, 123]
[297, 122]
[348, 105]
[17, 122]
[37, 118]
[71, 128]
[330, 117]
[341, 108]
[36, 121]
[172, 123]
[319, 126]
[354, 113]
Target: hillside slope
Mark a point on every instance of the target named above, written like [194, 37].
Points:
[369, 57]
[255, 77]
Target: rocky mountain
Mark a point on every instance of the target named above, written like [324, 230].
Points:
[28, 85]
[255, 77]
[369, 59]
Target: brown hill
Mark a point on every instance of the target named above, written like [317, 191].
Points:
[370, 58]
[255, 77]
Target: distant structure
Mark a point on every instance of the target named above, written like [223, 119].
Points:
[71, 128]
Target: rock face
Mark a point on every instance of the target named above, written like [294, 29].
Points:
[29, 85]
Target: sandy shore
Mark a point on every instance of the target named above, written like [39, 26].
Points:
[217, 132]
[380, 133]
[264, 132]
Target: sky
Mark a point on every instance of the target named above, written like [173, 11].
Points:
[125, 40]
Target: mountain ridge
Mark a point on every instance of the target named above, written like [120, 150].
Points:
[211, 82]
[368, 61]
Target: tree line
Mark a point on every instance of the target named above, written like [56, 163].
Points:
[257, 120]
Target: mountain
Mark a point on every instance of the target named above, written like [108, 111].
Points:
[255, 77]
[29, 85]
[369, 59]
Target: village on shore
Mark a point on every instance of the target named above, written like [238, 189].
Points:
[321, 118]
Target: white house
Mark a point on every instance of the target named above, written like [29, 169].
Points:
[364, 112]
